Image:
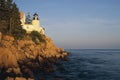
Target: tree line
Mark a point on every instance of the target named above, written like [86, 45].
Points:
[10, 18]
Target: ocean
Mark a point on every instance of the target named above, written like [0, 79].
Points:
[88, 64]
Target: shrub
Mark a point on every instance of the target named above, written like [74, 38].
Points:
[19, 33]
[3, 27]
[36, 35]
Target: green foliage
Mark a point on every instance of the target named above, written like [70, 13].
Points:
[28, 19]
[2, 4]
[37, 36]
[15, 16]
[10, 19]
[3, 25]
[19, 35]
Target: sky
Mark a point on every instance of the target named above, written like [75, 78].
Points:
[78, 24]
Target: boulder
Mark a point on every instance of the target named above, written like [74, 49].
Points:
[8, 38]
[9, 78]
[40, 58]
[30, 79]
[15, 71]
[7, 59]
[20, 78]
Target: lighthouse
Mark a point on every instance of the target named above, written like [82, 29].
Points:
[36, 21]
[33, 26]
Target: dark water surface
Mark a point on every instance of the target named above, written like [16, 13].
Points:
[89, 64]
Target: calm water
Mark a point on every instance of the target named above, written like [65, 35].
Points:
[89, 64]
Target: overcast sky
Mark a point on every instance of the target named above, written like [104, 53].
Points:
[78, 23]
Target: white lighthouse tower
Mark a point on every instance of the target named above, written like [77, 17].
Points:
[36, 21]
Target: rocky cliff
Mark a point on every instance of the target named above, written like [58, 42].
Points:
[20, 58]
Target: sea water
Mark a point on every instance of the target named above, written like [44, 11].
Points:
[89, 64]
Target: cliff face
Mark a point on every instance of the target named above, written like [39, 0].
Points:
[17, 56]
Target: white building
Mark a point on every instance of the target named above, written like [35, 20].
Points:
[34, 26]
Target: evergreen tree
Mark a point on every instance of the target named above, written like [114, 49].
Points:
[15, 16]
[28, 19]
[3, 17]
[2, 9]
[9, 4]
[16, 28]
[2, 3]
[10, 17]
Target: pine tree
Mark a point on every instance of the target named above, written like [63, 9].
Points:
[3, 17]
[28, 19]
[9, 8]
[10, 17]
[9, 4]
[16, 28]
[15, 16]
[2, 3]
[2, 9]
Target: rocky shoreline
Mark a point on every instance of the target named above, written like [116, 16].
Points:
[20, 59]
